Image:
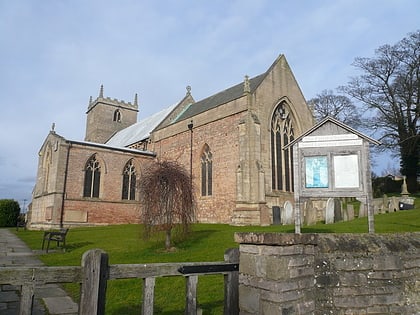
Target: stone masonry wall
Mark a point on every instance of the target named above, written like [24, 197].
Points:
[329, 273]
[222, 138]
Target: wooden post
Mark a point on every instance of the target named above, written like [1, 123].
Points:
[370, 213]
[95, 275]
[148, 296]
[191, 296]
[298, 216]
[27, 298]
[231, 304]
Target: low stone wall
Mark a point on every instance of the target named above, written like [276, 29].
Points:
[329, 273]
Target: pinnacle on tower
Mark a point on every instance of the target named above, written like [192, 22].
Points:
[247, 88]
[188, 90]
[101, 91]
[136, 100]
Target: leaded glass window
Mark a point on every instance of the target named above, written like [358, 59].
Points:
[92, 178]
[282, 133]
[129, 182]
[206, 172]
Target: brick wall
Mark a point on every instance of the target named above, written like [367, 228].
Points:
[109, 208]
[329, 273]
[222, 138]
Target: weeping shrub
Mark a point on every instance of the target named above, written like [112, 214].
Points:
[167, 199]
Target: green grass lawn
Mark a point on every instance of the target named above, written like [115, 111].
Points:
[206, 242]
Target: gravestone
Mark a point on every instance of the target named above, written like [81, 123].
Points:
[289, 217]
[276, 215]
[362, 209]
[338, 216]
[385, 204]
[349, 213]
[329, 211]
[393, 204]
[311, 213]
[377, 204]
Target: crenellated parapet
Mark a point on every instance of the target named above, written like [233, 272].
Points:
[112, 101]
[106, 116]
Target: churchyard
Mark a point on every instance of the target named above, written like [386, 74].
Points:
[206, 242]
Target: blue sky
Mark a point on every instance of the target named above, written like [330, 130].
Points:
[55, 54]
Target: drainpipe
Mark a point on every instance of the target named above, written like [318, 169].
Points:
[64, 185]
[190, 127]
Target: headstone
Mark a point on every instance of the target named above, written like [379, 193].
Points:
[385, 204]
[329, 211]
[362, 210]
[310, 212]
[288, 217]
[276, 215]
[350, 212]
[338, 215]
[377, 204]
[393, 204]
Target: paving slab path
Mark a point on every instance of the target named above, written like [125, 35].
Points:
[49, 299]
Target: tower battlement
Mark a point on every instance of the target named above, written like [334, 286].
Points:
[112, 101]
[106, 116]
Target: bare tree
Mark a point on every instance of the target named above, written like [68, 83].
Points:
[167, 199]
[338, 106]
[389, 88]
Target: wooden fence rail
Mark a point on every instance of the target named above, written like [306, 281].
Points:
[95, 271]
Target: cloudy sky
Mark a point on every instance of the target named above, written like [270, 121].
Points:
[55, 54]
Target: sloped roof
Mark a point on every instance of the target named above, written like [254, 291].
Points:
[336, 122]
[111, 147]
[220, 98]
[140, 130]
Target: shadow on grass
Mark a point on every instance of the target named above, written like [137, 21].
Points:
[136, 309]
[306, 229]
[211, 307]
[73, 246]
[126, 309]
[193, 238]
[316, 230]
[180, 242]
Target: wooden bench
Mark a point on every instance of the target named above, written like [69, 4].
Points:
[56, 236]
[20, 224]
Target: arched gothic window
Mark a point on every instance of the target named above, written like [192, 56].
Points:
[92, 178]
[281, 160]
[117, 115]
[129, 182]
[206, 172]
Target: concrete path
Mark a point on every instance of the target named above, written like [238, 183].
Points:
[49, 299]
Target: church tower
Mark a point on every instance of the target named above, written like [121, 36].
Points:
[106, 116]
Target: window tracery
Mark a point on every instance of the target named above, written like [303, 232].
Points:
[129, 182]
[206, 172]
[92, 178]
[282, 133]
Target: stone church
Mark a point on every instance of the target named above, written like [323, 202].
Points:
[232, 143]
